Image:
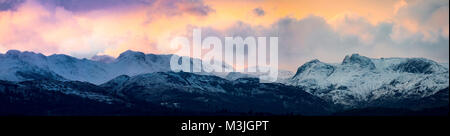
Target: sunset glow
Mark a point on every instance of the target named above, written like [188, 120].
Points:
[323, 29]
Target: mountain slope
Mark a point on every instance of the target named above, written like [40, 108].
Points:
[156, 94]
[144, 82]
[50, 97]
[187, 91]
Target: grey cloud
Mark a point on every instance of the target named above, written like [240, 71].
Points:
[10, 4]
[430, 16]
[89, 5]
[199, 8]
[301, 40]
[178, 7]
[259, 12]
[421, 10]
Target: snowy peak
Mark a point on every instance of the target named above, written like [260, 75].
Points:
[25, 56]
[103, 58]
[141, 57]
[360, 79]
[134, 63]
[116, 82]
[20, 66]
[358, 60]
[133, 55]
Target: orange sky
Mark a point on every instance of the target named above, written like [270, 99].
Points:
[149, 28]
[103, 25]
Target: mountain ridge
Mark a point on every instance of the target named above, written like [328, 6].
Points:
[66, 67]
[158, 93]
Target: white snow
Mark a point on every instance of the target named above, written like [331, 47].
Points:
[361, 82]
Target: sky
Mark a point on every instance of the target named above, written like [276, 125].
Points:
[307, 29]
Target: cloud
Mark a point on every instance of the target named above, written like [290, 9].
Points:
[422, 19]
[418, 29]
[259, 12]
[33, 27]
[196, 7]
[10, 4]
[314, 37]
[87, 28]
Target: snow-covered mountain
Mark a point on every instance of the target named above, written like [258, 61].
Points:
[360, 80]
[18, 66]
[136, 81]
[49, 97]
[21, 66]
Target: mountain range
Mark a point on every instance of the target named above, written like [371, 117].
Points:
[142, 84]
[23, 66]
[360, 81]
